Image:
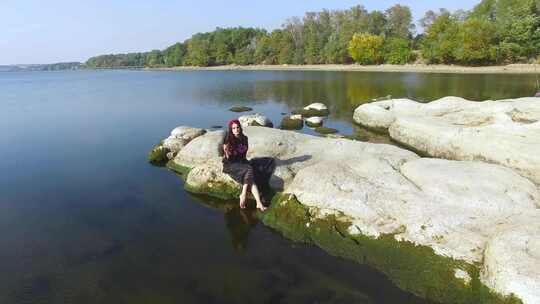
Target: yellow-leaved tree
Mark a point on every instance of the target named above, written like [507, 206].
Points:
[366, 48]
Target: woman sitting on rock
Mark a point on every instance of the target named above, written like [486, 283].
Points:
[247, 173]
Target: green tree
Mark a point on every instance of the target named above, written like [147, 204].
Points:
[154, 59]
[366, 48]
[398, 51]
[399, 22]
[199, 50]
[441, 39]
[478, 42]
[376, 23]
[174, 55]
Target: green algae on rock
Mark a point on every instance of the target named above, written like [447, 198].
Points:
[240, 109]
[288, 123]
[311, 112]
[357, 137]
[413, 268]
[325, 130]
[215, 185]
[158, 154]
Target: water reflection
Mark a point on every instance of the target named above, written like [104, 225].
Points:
[238, 222]
[344, 91]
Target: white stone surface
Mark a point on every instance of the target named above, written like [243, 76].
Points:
[315, 120]
[296, 116]
[505, 132]
[249, 120]
[319, 106]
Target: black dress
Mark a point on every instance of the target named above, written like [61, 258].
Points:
[256, 170]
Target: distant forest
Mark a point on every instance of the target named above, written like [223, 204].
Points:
[41, 67]
[493, 32]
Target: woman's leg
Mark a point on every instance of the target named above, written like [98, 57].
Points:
[257, 196]
[248, 181]
[243, 196]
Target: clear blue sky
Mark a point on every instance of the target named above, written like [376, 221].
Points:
[34, 31]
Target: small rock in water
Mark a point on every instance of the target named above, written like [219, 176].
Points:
[315, 121]
[216, 127]
[255, 120]
[325, 130]
[316, 106]
[289, 123]
[240, 109]
[314, 109]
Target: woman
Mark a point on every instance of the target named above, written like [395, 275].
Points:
[245, 172]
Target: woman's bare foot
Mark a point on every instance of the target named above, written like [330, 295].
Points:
[243, 198]
[261, 207]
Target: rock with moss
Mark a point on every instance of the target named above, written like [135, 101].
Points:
[325, 130]
[240, 109]
[417, 269]
[314, 122]
[179, 137]
[256, 119]
[158, 154]
[292, 122]
[451, 214]
[505, 132]
[314, 109]
[357, 136]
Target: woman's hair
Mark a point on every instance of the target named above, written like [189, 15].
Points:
[230, 139]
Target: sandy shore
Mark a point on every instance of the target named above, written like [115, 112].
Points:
[418, 68]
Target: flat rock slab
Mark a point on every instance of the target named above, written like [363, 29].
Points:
[505, 132]
[466, 210]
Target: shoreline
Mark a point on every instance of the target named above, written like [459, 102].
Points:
[408, 68]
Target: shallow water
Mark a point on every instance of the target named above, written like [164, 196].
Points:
[85, 218]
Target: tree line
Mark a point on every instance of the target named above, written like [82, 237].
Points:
[493, 32]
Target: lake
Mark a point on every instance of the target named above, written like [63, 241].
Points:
[86, 219]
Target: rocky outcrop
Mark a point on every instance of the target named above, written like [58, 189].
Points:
[170, 146]
[505, 132]
[255, 120]
[446, 220]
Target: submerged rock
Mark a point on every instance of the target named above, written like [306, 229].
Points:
[325, 130]
[255, 120]
[429, 224]
[240, 109]
[505, 132]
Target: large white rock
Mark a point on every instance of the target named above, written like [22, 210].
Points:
[505, 132]
[465, 210]
[186, 133]
[511, 260]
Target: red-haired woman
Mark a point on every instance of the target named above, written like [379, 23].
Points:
[245, 172]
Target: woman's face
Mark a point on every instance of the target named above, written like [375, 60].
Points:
[235, 129]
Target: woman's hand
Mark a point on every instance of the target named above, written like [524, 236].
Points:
[226, 150]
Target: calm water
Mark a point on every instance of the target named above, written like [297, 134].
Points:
[85, 219]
